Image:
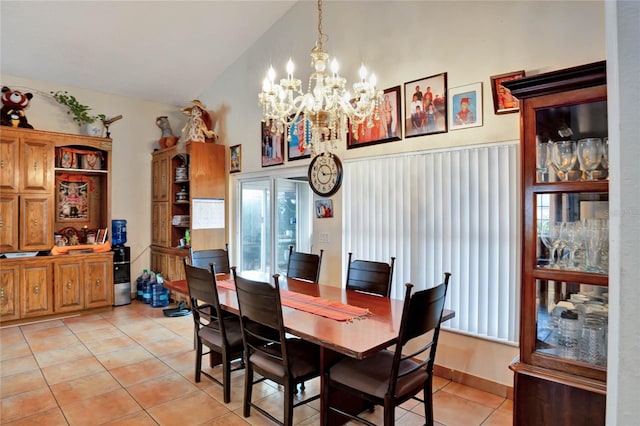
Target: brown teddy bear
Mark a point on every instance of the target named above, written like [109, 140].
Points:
[14, 103]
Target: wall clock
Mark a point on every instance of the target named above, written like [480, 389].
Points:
[325, 174]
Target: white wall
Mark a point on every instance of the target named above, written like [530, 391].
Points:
[134, 138]
[404, 41]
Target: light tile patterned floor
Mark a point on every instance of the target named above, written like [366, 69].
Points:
[134, 366]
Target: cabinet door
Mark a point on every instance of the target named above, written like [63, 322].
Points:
[68, 292]
[9, 157]
[160, 177]
[98, 288]
[8, 222]
[159, 262]
[175, 268]
[9, 293]
[160, 224]
[36, 222]
[37, 163]
[36, 289]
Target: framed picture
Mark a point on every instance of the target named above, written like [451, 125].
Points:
[503, 101]
[465, 106]
[236, 158]
[72, 201]
[425, 109]
[101, 236]
[298, 137]
[386, 129]
[272, 145]
[324, 209]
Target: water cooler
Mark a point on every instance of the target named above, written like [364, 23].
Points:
[121, 275]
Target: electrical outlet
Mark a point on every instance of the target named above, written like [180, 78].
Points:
[323, 237]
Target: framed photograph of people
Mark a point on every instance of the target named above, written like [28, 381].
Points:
[386, 128]
[236, 158]
[465, 106]
[299, 137]
[324, 209]
[503, 101]
[272, 145]
[425, 106]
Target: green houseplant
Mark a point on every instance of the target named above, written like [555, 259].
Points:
[79, 112]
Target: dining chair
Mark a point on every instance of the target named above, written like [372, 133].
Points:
[370, 277]
[268, 351]
[390, 377]
[304, 266]
[219, 257]
[213, 327]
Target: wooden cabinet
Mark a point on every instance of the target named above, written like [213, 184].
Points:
[36, 222]
[8, 222]
[9, 293]
[68, 291]
[98, 278]
[36, 290]
[178, 179]
[560, 376]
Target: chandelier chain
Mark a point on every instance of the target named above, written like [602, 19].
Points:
[322, 37]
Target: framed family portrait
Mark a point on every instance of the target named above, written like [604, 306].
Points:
[272, 145]
[299, 138]
[386, 128]
[425, 109]
[235, 158]
[324, 209]
[465, 106]
[503, 101]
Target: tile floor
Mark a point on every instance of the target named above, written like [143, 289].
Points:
[133, 366]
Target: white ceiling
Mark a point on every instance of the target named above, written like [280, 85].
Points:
[164, 51]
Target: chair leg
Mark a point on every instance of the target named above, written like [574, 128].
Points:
[289, 389]
[324, 400]
[248, 387]
[389, 413]
[198, 359]
[226, 377]
[428, 402]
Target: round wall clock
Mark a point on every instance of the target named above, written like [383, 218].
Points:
[325, 174]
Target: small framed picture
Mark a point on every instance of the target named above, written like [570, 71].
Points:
[386, 128]
[465, 106]
[272, 145]
[236, 158]
[324, 209]
[101, 236]
[425, 109]
[298, 139]
[503, 101]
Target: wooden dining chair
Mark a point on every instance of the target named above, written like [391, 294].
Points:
[268, 351]
[214, 328]
[370, 277]
[304, 266]
[219, 257]
[390, 377]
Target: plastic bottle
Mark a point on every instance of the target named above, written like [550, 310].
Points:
[146, 294]
[159, 294]
[140, 282]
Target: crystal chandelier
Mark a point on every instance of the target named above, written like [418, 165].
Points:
[327, 107]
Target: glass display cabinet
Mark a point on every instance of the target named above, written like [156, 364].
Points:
[560, 375]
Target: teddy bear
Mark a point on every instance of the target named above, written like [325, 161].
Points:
[14, 103]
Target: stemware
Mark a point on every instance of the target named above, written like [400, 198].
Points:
[542, 160]
[589, 155]
[605, 153]
[564, 156]
[573, 238]
[549, 236]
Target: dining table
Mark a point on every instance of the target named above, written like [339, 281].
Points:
[374, 325]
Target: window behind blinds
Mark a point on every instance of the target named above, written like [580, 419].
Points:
[445, 211]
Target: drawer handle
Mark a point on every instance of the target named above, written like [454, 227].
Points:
[69, 285]
[97, 283]
[36, 289]
[2, 293]
[1, 223]
[1, 164]
[35, 221]
[35, 165]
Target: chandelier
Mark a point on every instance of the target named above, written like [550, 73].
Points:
[327, 107]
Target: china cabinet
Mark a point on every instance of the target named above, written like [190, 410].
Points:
[560, 375]
[180, 180]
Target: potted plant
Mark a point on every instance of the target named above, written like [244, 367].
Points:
[80, 113]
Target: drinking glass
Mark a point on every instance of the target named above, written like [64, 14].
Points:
[589, 155]
[549, 237]
[605, 153]
[564, 156]
[542, 160]
[573, 238]
[558, 244]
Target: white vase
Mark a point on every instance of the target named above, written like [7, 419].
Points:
[93, 129]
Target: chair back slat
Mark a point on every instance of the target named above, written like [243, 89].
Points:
[203, 295]
[304, 266]
[218, 257]
[370, 277]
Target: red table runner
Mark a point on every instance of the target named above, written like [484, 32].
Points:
[315, 305]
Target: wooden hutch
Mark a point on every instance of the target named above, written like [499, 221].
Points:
[52, 184]
[560, 380]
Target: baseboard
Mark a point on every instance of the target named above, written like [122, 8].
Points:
[474, 381]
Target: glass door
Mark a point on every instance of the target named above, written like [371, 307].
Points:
[275, 213]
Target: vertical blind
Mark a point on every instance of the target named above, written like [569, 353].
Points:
[445, 211]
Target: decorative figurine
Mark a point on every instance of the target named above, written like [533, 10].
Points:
[167, 138]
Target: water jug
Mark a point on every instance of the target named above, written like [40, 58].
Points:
[118, 232]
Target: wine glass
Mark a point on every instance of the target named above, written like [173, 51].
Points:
[564, 156]
[573, 239]
[549, 235]
[542, 160]
[589, 155]
[605, 153]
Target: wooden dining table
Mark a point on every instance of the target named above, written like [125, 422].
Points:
[357, 338]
